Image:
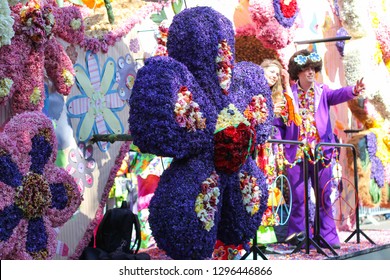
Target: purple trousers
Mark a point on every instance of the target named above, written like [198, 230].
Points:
[296, 221]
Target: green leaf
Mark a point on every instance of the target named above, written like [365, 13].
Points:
[159, 17]
[61, 160]
[177, 6]
[375, 192]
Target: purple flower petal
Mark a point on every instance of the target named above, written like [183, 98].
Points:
[9, 219]
[9, 172]
[36, 236]
[59, 198]
[40, 153]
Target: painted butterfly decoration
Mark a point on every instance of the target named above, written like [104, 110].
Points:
[208, 113]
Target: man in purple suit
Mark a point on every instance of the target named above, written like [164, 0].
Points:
[314, 101]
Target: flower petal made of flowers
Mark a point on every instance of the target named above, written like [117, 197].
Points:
[108, 78]
[78, 106]
[9, 219]
[9, 172]
[36, 236]
[64, 190]
[40, 153]
[85, 126]
[83, 81]
[59, 198]
[112, 121]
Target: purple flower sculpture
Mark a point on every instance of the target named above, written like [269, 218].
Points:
[207, 113]
[36, 196]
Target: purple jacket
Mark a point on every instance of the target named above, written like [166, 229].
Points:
[324, 98]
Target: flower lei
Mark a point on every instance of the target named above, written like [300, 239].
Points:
[36, 196]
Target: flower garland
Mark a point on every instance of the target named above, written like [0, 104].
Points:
[206, 202]
[224, 62]
[251, 193]
[274, 21]
[257, 111]
[186, 220]
[36, 196]
[188, 112]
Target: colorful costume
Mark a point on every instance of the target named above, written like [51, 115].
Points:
[323, 98]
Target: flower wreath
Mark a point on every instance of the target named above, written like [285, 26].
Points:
[207, 113]
[275, 21]
[35, 196]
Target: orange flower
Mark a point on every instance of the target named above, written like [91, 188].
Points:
[92, 4]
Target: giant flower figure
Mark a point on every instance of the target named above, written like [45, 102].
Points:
[207, 113]
[98, 102]
[34, 49]
[35, 196]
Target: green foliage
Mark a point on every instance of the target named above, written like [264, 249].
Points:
[159, 17]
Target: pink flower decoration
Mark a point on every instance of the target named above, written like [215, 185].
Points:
[35, 48]
[274, 27]
[36, 196]
[383, 37]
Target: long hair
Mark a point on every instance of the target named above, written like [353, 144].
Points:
[277, 88]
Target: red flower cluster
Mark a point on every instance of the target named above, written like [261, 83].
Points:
[290, 9]
[232, 147]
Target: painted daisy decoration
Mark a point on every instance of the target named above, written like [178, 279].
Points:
[97, 105]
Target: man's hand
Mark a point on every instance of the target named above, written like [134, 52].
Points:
[359, 87]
